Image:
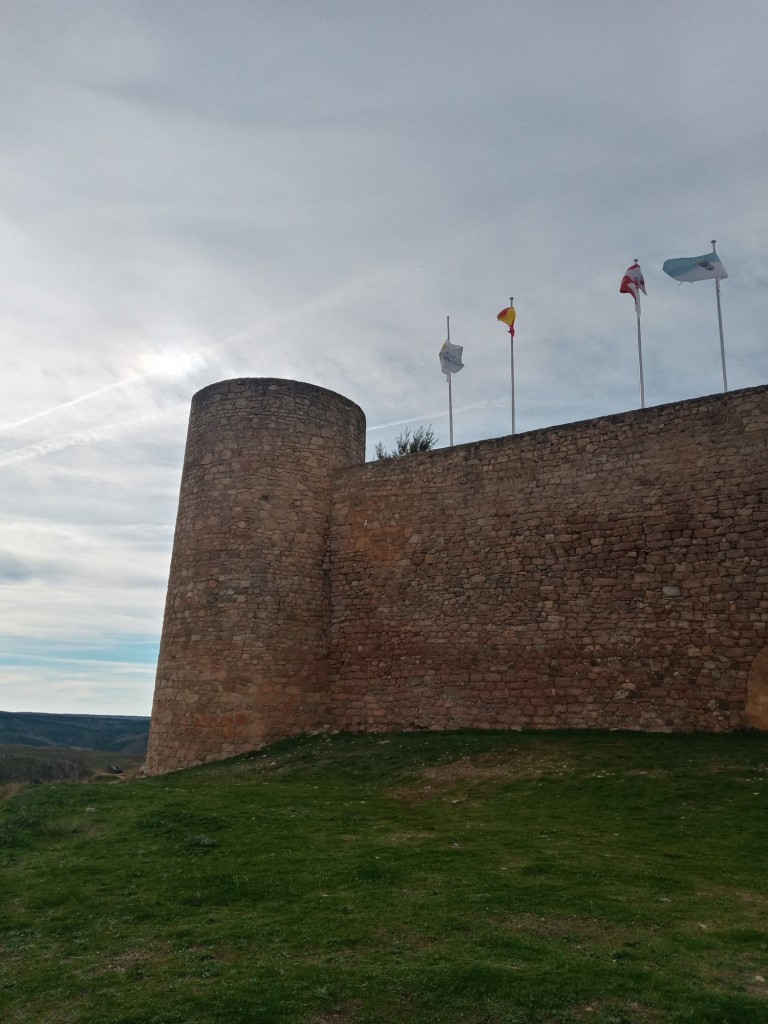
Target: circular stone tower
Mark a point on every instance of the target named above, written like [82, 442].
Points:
[243, 650]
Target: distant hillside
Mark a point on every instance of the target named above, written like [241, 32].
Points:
[121, 734]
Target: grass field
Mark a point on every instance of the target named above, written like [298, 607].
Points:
[489, 878]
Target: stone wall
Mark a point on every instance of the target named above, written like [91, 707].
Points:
[243, 658]
[611, 573]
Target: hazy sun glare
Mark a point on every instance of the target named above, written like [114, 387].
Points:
[171, 362]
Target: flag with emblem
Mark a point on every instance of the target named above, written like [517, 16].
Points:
[696, 268]
[450, 358]
[633, 283]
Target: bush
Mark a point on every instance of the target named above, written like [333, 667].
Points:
[422, 440]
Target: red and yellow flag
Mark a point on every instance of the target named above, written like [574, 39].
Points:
[507, 316]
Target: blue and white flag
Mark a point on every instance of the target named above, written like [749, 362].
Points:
[696, 268]
[450, 358]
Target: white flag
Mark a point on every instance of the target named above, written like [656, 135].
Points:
[450, 358]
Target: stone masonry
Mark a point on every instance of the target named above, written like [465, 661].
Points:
[611, 573]
[243, 655]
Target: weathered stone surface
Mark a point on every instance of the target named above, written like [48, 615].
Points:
[243, 657]
[610, 573]
[757, 692]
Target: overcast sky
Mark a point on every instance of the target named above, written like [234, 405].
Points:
[197, 190]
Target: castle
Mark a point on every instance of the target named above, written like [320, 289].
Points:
[611, 573]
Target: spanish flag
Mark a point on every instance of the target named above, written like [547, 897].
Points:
[507, 316]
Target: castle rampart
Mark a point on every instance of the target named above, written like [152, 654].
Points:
[611, 573]
[244, 651]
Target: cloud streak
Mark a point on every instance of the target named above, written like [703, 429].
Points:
[72, 402]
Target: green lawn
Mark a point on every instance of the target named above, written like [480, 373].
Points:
[613, 878]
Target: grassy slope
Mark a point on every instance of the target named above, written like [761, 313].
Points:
[59, 764]
[479, 877]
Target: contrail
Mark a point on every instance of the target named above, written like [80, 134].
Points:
[411, 419]
[73, 401]
[240, 336]
[59, 442]
[440, 414]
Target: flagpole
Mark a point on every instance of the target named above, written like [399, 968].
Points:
[640, 359]
[639, 348]
[450, 396]
[512, 368]
[720, 325]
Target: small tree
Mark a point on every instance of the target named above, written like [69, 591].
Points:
[421, 440]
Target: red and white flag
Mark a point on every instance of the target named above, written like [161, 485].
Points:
[633, 283]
